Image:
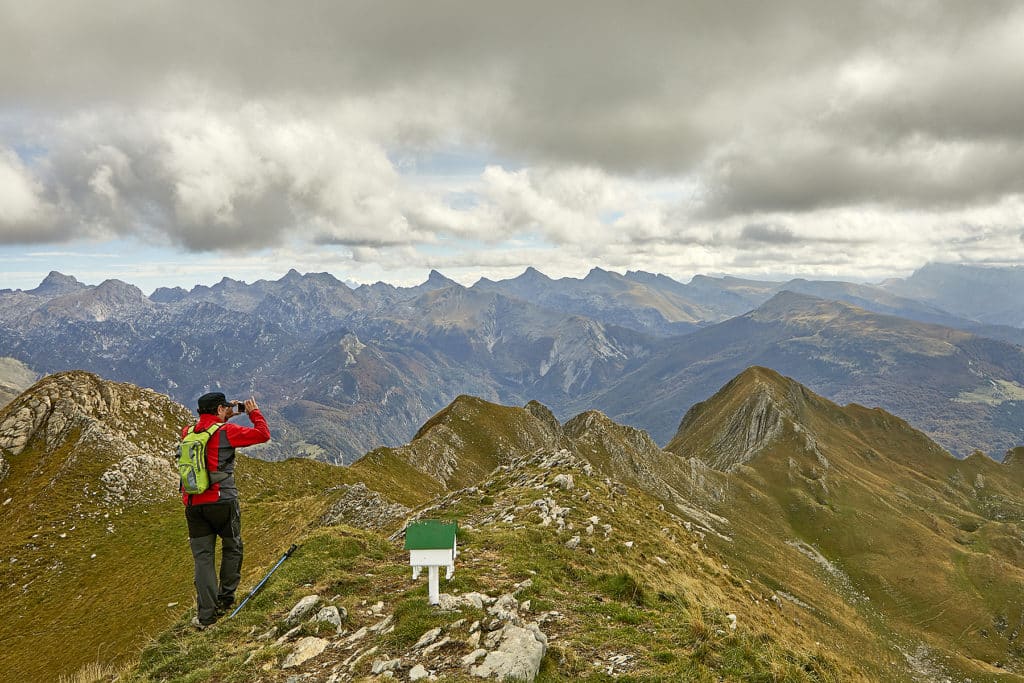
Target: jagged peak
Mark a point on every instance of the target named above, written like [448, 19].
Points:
[644, 276]
[595, 424]
[600, 274]
[57, 283]
[544, 414]
[168, 295]
[437, 279]
[588, 418]
[325, 278]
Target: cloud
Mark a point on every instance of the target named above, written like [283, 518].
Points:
[667, 133]
[770, 234]
[208, 179]
[26, 216]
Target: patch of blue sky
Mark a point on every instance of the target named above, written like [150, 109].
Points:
[448, 162]
[24, 267]
[146, 266]
[438, 162]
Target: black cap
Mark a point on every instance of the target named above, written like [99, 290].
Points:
[208, 403]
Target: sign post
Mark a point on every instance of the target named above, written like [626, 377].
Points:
[432, 544]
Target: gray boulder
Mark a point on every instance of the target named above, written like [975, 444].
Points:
[303, 608]
[518, 657]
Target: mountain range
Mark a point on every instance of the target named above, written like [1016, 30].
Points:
[344, 370]
[777, 536]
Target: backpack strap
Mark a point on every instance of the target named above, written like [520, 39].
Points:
[210, 431]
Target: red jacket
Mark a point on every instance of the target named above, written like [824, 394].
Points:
[220, 454]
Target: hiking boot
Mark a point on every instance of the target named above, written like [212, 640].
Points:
[224, 606]
[200, 626]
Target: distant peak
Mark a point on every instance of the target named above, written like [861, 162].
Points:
[167, 295]
[532, 273]
[291, 275]
[57, 283]
[601, 274]
[787, 301]
[437, 279]
[56, 277]
[118, 286]
[644, 276]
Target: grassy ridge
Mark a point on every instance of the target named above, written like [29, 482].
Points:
[668, 616]
[847, 546]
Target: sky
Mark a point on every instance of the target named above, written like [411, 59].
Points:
[176, 143]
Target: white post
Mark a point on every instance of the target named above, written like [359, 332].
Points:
[434, 588]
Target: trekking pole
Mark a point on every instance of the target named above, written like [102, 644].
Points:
[259, 585]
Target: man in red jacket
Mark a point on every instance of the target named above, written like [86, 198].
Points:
[215, 511]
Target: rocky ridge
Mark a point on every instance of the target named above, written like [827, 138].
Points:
[79, 412]
[498, 633]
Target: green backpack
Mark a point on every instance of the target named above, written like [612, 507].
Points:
[195, 478]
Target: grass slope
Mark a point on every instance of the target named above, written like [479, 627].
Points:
[925, 550]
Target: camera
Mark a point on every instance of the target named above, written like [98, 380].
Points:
[239, 406]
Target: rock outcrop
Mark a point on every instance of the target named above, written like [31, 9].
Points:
[131, 430]
[361, 507]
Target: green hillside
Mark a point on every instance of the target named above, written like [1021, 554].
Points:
[779, 537]
[923, 550]
[89, 574]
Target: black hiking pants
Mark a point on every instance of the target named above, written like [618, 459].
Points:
[205, 524]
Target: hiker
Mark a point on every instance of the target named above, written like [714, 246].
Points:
[215, 511]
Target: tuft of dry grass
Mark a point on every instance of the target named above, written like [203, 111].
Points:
[98, 672]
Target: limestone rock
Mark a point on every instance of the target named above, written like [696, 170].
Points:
[518, 656]
[454, 602]
[506, 608]
[101, 415]
[305, 649]
[329, 614]
[303, 608]
[382, 665]
[361, 507]
[418, 672]
[139, 478]
[564, 481]
[383, 625]
[427, 638]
